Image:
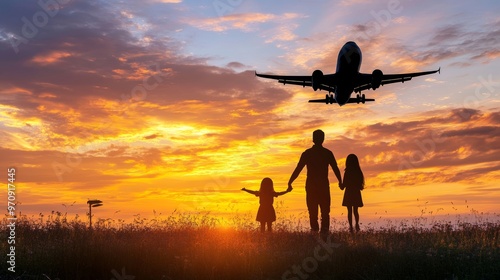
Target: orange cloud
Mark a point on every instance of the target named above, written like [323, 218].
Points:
[52, 57]
[232, 21]
[239, 21]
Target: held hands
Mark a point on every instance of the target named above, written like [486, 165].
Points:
[289, 187]
[341, 186]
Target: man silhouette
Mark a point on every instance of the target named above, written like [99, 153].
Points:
[317, 159]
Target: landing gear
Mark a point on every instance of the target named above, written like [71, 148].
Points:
[360, 98]
[329, 99]
[332, 100]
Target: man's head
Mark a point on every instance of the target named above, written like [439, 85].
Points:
[318, 137]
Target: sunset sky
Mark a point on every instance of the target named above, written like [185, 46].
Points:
[154, 105]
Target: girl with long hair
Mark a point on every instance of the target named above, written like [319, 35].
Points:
[353, 183]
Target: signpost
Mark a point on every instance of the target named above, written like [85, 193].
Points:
[93, 203]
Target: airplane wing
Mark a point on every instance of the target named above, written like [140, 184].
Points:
[366, 81]
[304, 81]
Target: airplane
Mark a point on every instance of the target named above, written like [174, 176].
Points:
[347, 79]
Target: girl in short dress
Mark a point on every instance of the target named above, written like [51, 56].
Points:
[353, 183]
[266, 194]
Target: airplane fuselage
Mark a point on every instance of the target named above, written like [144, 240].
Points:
[348, 65]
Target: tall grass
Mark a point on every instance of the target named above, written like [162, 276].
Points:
[197, 246]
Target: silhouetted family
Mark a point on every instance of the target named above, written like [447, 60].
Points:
[318, 159]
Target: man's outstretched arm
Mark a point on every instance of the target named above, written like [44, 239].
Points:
[296, 172]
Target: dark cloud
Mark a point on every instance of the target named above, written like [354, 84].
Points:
[152, 136]
[100, 55]
[489, 131]
[442, 141]
[473, 173]
[236, 65]
[92, 40]
[456, 40]
[448, 33]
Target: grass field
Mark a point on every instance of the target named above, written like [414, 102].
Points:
[184, 246]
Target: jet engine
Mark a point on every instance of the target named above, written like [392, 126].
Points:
[317, 79]
[376, 78]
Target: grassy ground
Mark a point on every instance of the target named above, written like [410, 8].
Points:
[194, 247]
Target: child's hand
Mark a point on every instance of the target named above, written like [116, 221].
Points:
[243, 189]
